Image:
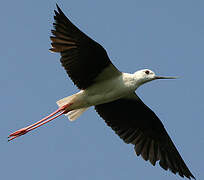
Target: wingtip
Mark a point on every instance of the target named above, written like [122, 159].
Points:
[189, 175]
[192, 177]
[57, 6]
[58, 9]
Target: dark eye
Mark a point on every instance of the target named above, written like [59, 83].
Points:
[147, 72]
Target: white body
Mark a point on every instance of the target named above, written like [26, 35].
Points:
[107, 90]
[99, 93]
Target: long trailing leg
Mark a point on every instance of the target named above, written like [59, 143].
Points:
[54, 115]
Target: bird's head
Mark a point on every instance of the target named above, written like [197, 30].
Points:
[146, 75]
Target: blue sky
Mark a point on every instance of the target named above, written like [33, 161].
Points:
[165, 36]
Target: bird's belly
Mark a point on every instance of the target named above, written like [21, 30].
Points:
[105, 92]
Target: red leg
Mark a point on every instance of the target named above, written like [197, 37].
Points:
[43, 121]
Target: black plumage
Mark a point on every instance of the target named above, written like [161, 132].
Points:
[85, 62]
[83, 58]
[137, 124]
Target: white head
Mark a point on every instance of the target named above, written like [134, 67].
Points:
[146, 75]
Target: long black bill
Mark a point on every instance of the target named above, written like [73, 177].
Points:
[165, 77]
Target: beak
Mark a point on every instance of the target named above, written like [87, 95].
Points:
[165, 77]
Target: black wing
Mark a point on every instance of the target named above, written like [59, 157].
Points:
[83, 58]
[135, 123]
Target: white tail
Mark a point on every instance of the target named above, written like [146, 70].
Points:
[65, 100]
[74, 114]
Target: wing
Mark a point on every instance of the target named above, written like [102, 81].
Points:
[135, 123]
[83, 59]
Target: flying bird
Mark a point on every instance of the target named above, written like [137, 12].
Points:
[112, 92]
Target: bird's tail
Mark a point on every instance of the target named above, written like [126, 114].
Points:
[74, 114]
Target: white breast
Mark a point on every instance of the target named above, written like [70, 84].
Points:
[101, 92]
[109, 90]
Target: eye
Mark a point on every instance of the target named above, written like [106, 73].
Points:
[147, 71]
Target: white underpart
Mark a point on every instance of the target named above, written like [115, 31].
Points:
[74, 114]
[99, 93]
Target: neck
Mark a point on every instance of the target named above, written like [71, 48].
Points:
[138, 79]
[131, 81]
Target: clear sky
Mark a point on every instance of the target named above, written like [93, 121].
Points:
[165, 36]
